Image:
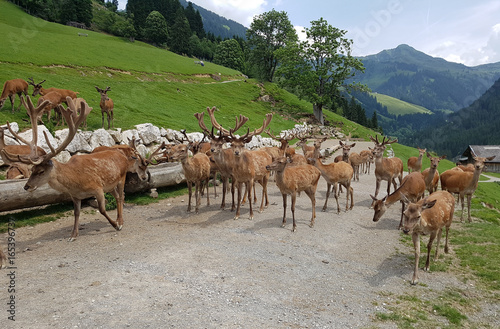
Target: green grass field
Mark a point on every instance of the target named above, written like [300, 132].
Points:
[399, 107]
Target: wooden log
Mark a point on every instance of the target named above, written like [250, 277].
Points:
[13, 196]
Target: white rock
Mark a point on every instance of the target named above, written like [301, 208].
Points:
[101, 138]
[148, 133]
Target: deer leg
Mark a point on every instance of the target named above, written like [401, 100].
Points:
[310, 194]
[416, 245]
[238, 201]
[102, 119]
[351, 190]
[208, 194]
[432, 236]
[12, 99]
[377, 187]
[119, 196]
[233, 204]
[77, 203]
[469, 196]
[250, 186]
[224, 189]
[197, 193]
[190, 191]
[294, 198]
[461, 196]
[446, 240]
[284, 210]
[101, 202]
[328, 188]
[402, 212]
[112, 120]
[336, 195]
[438, 241]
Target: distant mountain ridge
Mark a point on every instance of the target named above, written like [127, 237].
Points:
[415, 77]
[218, 25]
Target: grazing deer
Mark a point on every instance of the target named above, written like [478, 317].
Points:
[10, 89]
[106, 105]
[431, 174]
[336, 173]
[415, 163]
[412, 188]
[83, 176]
[386, 168]
[54, 99]
[463, 182]
[39, 90]
[292, 180]
[196, 170]
[428, 216]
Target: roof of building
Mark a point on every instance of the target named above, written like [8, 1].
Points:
[485, 151]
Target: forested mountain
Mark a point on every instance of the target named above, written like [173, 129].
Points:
[477, 124]
[434, 83]
[218, 25]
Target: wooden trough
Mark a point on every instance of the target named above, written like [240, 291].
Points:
[13, 196]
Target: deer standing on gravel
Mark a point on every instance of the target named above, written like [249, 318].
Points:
[464, 182]
[412, 188]
[415, 163]
[386, 168]
[83, 176]
[428, 216]
[106, 105]
[431, 174]
[295, 179]
[11, 88]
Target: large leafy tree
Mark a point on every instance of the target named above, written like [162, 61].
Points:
[77, 11]
[180, 34]
[319, 66]
[229, 54]
[268, 32]
[155, 29]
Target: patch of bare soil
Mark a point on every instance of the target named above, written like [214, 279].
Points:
[169, 268]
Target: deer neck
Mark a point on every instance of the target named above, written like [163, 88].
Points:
[430, 176]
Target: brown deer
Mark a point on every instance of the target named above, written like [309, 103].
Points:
[83, 176]
[346, 148]
[39, 90]
[16, 149]
[295, 179]
[428, 216]
[106, 105]
[412, 187]
[54, 99]
[367, 156]
[18, 170]
[464, 182]
[415, 163]
[386, 168]
[336, 173]
[356, 162]
[196, 170]
[431, 174]
[10, 89]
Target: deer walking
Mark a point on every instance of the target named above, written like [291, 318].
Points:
[428, 216]
[11, 88]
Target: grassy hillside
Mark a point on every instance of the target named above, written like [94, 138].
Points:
[399, 107]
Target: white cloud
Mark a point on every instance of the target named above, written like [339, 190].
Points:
[241, 11]
[300, 30]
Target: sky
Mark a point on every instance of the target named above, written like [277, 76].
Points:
[461, 31]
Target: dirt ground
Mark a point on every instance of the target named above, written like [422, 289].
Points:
[171, 269]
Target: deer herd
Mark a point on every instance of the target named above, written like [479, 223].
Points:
[225, 154]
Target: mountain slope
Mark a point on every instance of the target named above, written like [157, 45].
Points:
[417, 78]
[477, 124]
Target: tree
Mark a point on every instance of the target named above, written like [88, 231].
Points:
[155, 29]
[229, 54]
[76, 11]
[319, 66]
[195, 21]
[268, 32]
[180, 34]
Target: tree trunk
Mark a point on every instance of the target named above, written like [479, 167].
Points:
[318, 113]
[13, 196]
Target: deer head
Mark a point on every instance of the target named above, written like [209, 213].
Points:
[36, 86]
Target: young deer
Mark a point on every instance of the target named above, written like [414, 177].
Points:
[431, 174]
[386, 168]
[412, 188]
[463, 182]
[83, 176]
[428, 216]
[10, 89]
[107, 106]
[292, 180]
[414, 163]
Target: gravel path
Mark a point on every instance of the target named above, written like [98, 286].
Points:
[167, 268]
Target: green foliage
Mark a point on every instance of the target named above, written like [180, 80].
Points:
[318, 67]
[179, 38]
[269, 32]
[36, 216]
[229, 54]
[399, 107]
[76, 11]
[155, 28]
[110, 202]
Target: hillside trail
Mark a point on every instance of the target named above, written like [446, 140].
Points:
[171, 269]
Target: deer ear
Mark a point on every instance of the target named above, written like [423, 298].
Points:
[429, 204]
[491, 158]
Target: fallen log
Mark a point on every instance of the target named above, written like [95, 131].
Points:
[13, 196]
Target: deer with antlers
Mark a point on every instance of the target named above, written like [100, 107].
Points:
[415, 163]
[106, 105]
[39, 90]
[83, 176]
[386, 168]
[11, 88]
[295, 179]
[464, 182]
[428, 216]
[431, 174]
